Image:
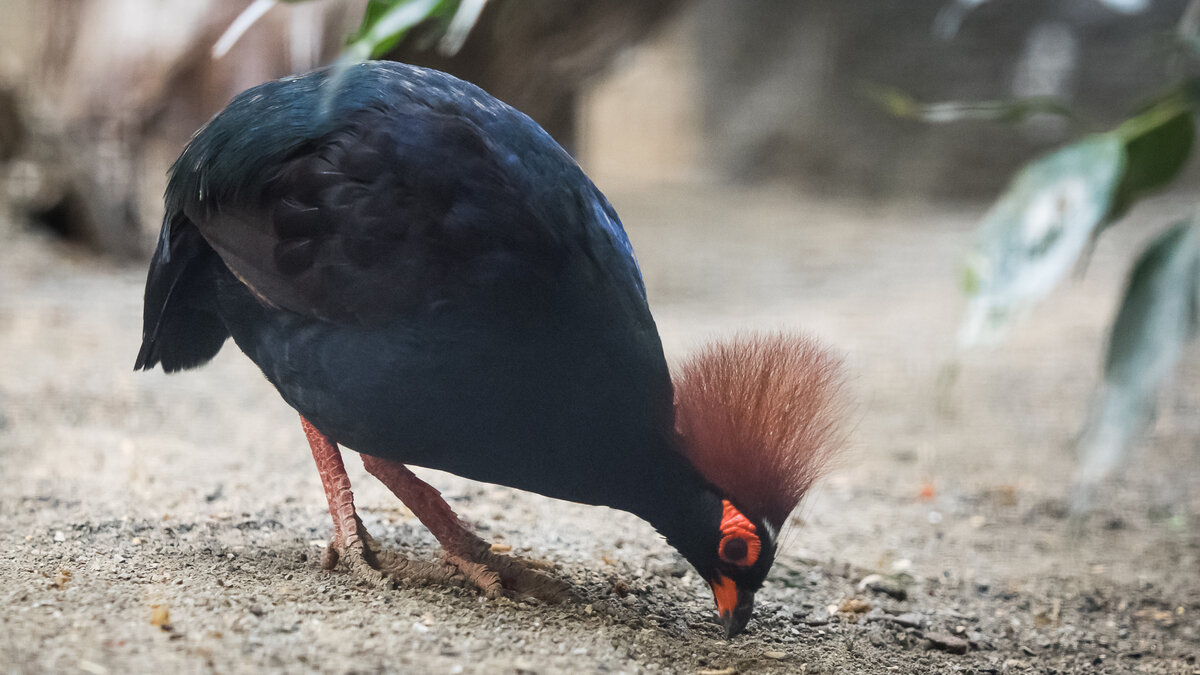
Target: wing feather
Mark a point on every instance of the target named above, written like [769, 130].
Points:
[413, 191]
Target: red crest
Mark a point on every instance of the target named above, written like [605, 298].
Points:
[758, 416]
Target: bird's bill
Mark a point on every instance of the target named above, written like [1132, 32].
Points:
[734, 606]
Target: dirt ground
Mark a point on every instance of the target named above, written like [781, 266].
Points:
[174, 524]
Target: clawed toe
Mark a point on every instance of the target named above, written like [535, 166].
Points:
[496, 574]
[363, 556]
[492, 574]
[468, 560]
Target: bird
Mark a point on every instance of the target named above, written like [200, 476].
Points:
[430, 280]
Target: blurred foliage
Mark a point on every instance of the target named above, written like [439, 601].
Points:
[950, 18]
[1055, 207]
[1158, 143]
[901, 105]
[1033, 235]
[1049, 217]
[386, 23]
[1157, 319]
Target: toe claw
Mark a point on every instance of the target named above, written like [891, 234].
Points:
[471, 565]
[524, 578]
[329, 559]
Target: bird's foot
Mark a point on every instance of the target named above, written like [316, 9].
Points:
[364, 557]
[475, 566]
[368, 561]
[498, 575]
[468, 560]
[473, 560]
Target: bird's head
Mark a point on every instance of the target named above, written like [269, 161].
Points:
[757, 416]
[733, 553]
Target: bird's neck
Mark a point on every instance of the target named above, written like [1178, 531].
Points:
[678, 502]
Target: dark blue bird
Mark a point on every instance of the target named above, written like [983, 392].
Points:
[430, 280]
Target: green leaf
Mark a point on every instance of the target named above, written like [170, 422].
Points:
[374, 11]
[1158, 143]
[387, 22]
[899, 104]
[1158, 313]
[1036, 231]
[1158, 317]
[1013, 265]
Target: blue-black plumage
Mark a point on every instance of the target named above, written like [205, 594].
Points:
[429, 279]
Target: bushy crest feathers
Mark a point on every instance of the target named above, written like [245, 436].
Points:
[758, 416]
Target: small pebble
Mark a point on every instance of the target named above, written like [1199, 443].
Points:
[909, 620]
[855, 606]
[894, 586]
[947, 643]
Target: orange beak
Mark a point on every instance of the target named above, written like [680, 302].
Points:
[734, 606]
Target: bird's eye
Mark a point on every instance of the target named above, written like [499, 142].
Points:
[734, 550]
[739, 538]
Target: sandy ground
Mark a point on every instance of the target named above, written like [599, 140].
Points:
[173, 524]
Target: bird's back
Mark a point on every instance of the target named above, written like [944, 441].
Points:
[387, 190]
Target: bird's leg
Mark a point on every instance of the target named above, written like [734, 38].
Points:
[490, 572]
[350, 541]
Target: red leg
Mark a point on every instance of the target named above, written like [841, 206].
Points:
[350, 540]
[468, 558]
[472, 556]
[425, 502]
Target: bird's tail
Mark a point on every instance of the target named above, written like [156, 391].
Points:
[181, 328]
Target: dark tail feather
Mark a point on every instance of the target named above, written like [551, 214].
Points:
[180, 327]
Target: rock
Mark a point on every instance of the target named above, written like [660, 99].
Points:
[892, 585]
[1051, 508]
[947, 643]
[160, 616]
[855, 606]
[908, 620]
[1160, 618]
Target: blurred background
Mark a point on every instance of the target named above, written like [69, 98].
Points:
[678, 91]
[823, 165]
